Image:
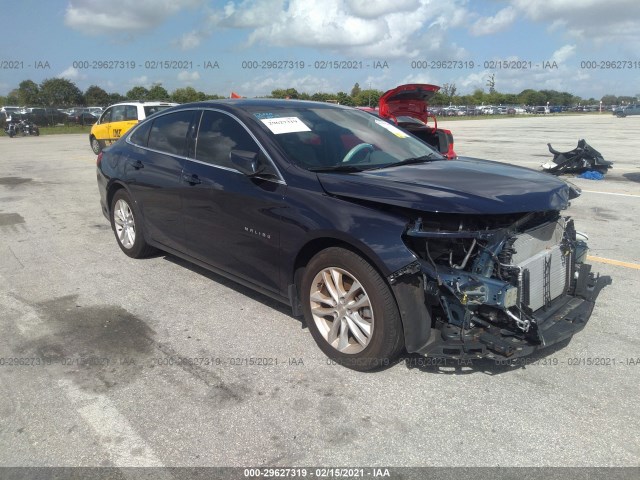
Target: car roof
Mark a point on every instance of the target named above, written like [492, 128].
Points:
[266, 102]
[249, 105]
[150, 104]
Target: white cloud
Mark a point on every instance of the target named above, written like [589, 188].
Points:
[377, 8]
[490, 25]
[370, 28]
[326, 24]
[563, 53]
[71, 74]
[190, 39]
[95, 17]
[474, 80]
[188, 77]
[611, 22]
[248, 13]
[418, 77]
[142, 81]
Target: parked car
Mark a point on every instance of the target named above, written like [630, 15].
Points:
[82, 118]
[362, 228]
[45, 116]
[118, 119]
[541, 110]
[488, 110]
[411, 102]
[627, 110]
[97, 111]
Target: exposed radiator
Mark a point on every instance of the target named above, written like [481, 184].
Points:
[544, 268]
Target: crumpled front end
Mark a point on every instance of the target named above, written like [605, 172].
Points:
[500, 286]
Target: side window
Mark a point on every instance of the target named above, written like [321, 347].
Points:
[118, 113]
[218, 135]
[131, 112]
[141, 134]
[169, 132]
[106, 116]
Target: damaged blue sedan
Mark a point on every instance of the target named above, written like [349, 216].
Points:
[365, 230]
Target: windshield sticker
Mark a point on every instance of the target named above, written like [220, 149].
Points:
[262, 115]
[285, 125]
[395, 130]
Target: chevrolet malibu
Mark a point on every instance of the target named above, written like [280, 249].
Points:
[377, 240]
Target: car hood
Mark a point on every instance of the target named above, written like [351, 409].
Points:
[465, 185]
[409, 100]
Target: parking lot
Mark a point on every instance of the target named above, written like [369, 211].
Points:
[110, 361]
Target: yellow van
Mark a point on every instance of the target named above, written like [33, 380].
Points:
[118, 119]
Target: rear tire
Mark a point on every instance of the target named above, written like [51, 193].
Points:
[350, 310]
[127, 227]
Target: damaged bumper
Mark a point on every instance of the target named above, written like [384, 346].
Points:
[560, 319]
[510, 294]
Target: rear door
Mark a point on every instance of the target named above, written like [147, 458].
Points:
[232, 220]
[154, 170]
[123, 118]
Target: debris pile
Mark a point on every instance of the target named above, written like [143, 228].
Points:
[583, 158]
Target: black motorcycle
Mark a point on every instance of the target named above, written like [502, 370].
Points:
[581, 159]
[27, 127]
[11, 128]
[21, 127]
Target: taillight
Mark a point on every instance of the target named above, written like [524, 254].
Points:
[99, 159]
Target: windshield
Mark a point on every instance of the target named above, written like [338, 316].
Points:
[322, 138]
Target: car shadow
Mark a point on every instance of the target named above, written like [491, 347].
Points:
[411, 361]
[226, 282]
[634, 177]
[449, 366]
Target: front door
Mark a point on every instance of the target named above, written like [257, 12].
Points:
[232, 220]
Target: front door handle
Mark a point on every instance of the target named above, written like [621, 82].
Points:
[191, 179]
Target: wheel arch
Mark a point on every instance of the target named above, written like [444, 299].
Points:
[111, 191]
[407, 292]
[318, 244]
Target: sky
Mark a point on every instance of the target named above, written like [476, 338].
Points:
[587, 47]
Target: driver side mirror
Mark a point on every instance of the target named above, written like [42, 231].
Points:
[246, 162]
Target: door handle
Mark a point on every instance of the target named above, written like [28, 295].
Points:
[191, 179]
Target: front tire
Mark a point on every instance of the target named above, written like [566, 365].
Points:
[96, 145]
[350, 310]
[127, 227]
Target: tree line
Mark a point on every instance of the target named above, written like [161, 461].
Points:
[60, 92]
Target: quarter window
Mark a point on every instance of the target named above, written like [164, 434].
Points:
[141, 134]
[131, 112]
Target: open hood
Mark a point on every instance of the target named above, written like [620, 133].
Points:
[409, 100]
[458, 186]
